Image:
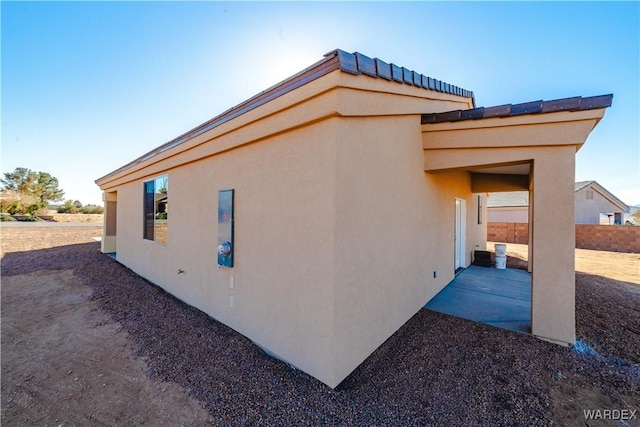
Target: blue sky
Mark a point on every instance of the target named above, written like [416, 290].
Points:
[89, 86]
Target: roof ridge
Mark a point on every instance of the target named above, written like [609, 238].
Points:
[609, 195]
[582, 184]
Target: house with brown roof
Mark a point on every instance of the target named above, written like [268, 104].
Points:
[593, 204]
[318, 216]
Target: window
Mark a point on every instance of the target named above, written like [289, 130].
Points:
[589, 194]
[156, 209]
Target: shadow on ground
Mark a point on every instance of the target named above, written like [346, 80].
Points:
[436, 369]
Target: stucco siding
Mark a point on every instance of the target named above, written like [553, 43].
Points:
[282, 277]
[345, 214]
[338, 233]
[325, 186]
[395, 227]
[553, 237]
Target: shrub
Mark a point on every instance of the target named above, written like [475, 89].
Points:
[28, 218]
[74, 207]
[14, 208]
[92, 209]
[34, 208]
[70, 206]
[6, 218]
[161, 215]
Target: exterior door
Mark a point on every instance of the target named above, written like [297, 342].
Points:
[459, 238]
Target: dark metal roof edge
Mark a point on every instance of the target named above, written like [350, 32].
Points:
[331, 62]
[352, 63]
[509, 110]
[357, 63]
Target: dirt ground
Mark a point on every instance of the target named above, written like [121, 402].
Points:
[620, 266]
[85, 341]
[64, 362]
[77, 217]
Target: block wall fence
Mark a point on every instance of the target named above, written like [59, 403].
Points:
[613, 238]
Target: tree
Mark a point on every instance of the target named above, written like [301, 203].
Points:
[35, 189]
[46, 188]
[20, 180]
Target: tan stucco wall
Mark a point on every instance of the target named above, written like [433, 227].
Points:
[283, 271]
[394, 229]
[549, 142]
[553, 238]
[338, 228]
[323, 194]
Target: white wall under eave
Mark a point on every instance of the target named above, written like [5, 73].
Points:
[517, 214]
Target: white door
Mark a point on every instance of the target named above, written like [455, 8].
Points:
[459, 234]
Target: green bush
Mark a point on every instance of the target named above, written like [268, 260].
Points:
[14, 208]
[6, 218]
[28, 218]
[34, 208]
[70, 206]
[74, 207]
[92, 209]
[62, 209]
[161, 215]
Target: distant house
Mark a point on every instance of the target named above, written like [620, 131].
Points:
[320, 215]
[508, 206]
[593, 204]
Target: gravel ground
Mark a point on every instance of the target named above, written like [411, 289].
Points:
[435, 370]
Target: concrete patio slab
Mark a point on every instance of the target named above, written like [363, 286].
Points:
[500, 298]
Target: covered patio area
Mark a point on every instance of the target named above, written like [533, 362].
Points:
[531, 147]
[495, 297]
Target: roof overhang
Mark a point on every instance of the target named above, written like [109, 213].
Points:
[398, 80]
[492, 143]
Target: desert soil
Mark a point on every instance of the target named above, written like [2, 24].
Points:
[65, 362]
[54, 216]
[619, 266]
[85, 341]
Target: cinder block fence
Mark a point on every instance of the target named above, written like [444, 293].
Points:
[508, 232]
[614, 238]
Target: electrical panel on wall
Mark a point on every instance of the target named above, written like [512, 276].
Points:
[225, 228]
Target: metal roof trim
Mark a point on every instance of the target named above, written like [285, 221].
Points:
[535, 107]
[352, 63]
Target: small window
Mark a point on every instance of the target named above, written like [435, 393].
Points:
[156, 209]
[589, 194]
